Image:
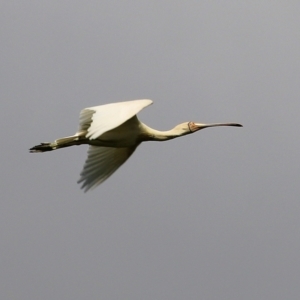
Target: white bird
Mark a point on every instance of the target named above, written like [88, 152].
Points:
[113, 132]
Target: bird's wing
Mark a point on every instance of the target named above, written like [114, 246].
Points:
[99, 119]
[101, 163]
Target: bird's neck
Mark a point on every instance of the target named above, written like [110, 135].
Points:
[150, 134]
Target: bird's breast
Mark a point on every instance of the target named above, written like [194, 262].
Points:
[117, 139]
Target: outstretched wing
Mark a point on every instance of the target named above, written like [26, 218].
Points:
[99, 119]
[101, 163]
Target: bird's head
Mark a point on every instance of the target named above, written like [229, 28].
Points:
[191, 127]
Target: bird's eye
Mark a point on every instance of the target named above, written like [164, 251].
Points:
[191, 126]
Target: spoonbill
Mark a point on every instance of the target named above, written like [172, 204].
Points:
[113, 132]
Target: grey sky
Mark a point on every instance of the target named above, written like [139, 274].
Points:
[214, 215]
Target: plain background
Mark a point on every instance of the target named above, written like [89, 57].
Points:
[213, 215]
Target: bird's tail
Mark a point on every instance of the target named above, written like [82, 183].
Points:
[57, 144]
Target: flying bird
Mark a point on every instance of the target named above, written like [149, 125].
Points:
[113, 132]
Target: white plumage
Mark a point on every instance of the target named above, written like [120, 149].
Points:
[109, 116]
[113, 132]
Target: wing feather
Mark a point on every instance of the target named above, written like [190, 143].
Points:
[99, 119]
[101, 163]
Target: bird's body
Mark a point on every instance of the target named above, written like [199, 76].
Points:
[113, 132]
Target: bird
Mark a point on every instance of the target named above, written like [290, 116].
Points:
[113, 132]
